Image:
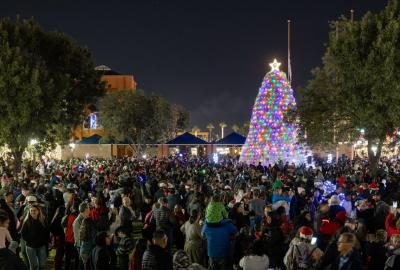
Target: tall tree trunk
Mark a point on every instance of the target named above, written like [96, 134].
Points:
[17, 154]
[136, 149]
[373, 158]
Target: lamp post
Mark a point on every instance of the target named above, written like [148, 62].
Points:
[32, 143]
[72, 147]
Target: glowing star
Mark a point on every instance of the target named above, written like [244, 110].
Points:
[275, 65]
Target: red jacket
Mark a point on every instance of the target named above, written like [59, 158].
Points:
[341, 181]
[69, 231]
[391, 230]
[95, 213]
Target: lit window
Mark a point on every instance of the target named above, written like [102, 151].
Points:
[93, 121]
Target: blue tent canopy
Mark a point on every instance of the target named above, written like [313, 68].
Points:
[95, 139]
[232, 139]
[186, 139]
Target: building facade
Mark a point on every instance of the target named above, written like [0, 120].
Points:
[114, 82]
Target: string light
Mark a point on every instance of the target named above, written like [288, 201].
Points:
[271, 138]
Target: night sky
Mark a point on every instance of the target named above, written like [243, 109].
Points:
[208, 55]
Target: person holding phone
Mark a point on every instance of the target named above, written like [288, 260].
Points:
[302, 254]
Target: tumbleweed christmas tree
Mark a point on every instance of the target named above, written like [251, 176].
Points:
[272, 137]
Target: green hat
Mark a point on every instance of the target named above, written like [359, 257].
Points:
[277, 184]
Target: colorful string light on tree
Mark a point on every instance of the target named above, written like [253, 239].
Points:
[272, 138]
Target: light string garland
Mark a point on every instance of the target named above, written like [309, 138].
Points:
[271, 137]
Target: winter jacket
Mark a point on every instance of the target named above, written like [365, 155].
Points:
[9, 261]
[76, 226]
[334, 209]
[69, 231]
[156, 258]
[353, 263]
[218, 238]
[274, 246]
[382, 209]
[126, 216]
[297, 204]
[34, 233]
[163, 217]
[300, 252]
[277, 198]
[100, 258]
[393, 262]
[376, 255]
[125, 247]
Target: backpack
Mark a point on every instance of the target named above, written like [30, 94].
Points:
[302, 261]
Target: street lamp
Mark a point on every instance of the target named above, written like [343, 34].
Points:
[72, 147]
[33, 142]
[374, 148]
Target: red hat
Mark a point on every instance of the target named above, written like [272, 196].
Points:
[306, 232]
[373, 186]
[341, 216]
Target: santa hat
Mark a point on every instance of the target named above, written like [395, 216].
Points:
[373, 186]
[306, 232]
[58, 174]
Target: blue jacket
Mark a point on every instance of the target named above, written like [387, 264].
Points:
[277, 198]
[218, 238]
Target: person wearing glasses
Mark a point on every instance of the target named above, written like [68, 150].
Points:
[348, 258]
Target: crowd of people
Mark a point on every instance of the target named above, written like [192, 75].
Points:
[184, 212]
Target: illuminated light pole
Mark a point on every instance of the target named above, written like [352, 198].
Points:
[72, 148]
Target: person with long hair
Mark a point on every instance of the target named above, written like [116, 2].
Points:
[100, 256]
[137, 254]
[87, 235]
[35, 233]
[179, 220]
[58, 236]
[71, 253]
[194, 241]
[237, 216]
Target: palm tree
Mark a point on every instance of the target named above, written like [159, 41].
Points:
[222, 125]
[210, 127]
[245, 128]
[235, 128]
[195, 130]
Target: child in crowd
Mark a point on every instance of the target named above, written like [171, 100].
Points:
[4, 233]
[124, 248]
[215, 211]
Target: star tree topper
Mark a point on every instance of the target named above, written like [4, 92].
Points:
[274, 65]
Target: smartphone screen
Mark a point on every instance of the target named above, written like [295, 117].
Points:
[313, 240]
[394, 204]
